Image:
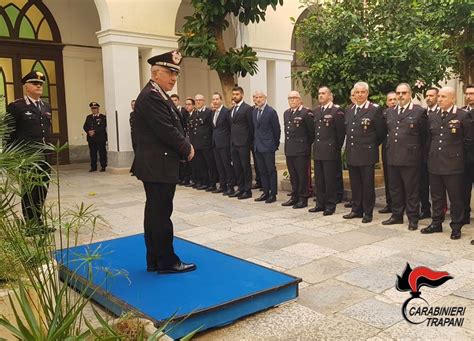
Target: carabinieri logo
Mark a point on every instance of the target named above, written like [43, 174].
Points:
[416, 309]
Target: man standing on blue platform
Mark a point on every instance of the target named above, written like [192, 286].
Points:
[161, 143]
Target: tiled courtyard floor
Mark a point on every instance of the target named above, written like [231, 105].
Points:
[348, 268]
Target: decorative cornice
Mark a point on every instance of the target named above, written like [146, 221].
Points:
[119, 37]
[285, 55]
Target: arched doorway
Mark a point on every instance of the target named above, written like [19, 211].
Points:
[30, 39]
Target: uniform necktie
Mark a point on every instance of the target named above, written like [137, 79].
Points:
[356, 111]
[259, 114]
[400, 111]
[38, 105]
[444, 114]
[323, 109]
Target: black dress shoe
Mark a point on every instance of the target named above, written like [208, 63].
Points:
[211, 189]
[235, 194]
[348, 204]
[292, 201]
[425, 215]
[392, 221]
[472, 242]
[456, 233]
[178, 268]
[263, 197]
[189, 184]
[218, 190]
[92, 170]
[271, 198]
[245, 195]
[102, 169]
[316, 209]
[256, 186]
[412, 226]
[229, 191]
[366, 219]
[386, 209]
[352, 215]
[432, 229]
[301, 204]
[328, 212]
[196, 185]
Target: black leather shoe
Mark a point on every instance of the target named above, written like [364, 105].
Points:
[386, 209]
[292, 201]
[196, 185]
[366, 219]
[392, 221]
[189, 184]
[202, 187]
[425, 215]
[102, 169]
[235, 194]
[316, 209]
[328, 212]
[263, 197]
[211, 189]
[352, 215]
[271, 198]
[218, 190]
[229, 191]
[412, 226]
[92, 170]
[432, 229]
[348, 204]
[178, 268]
[456, 234]
[472, 242]
[301, 204]
[245, 195]
[256, 186]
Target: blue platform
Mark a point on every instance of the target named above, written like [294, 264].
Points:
[222, 289]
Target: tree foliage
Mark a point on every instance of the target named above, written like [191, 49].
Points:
[382, 42]
[202, 36]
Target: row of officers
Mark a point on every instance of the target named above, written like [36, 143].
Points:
[425, 151]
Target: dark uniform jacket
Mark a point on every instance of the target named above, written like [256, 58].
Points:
[426, 145]
[299, 131]
[407, 134]
[267, 130]
[203, 127]
[29, 123]
[221, 133]
[448, 138]
[365, 132]
[161, 141]
[469, 148]
[330, 131]
[242, 126]
[185, 115]
[99, 125]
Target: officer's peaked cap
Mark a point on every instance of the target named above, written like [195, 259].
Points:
[94, 105]
[33, 76]
[170, 60]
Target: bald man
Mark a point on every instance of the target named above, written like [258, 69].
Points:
[449, 134]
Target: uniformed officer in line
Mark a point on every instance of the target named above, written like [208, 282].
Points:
[184, 166]
[340, 183]
[31, 124]
[431, 99]
[330, 131]
[365, 131]
[299, 136]
[96, 128]
[390, 102]
[189, 105]
[407, 133]
[449, 135]
[469, 154]
[161, 144]
[202, 142]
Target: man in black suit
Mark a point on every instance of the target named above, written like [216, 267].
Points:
[131, 121]
[407, 133]
[221, 146]
[330, 131]
[96, 128]
[390, 102]
[241, 135]
[449, 135]
[202, 142]
[184, 166]
[365, 130]
[469, 154]
[258, 181]
[266, 143]
[299, 135]
[31, 125]
[161, 143]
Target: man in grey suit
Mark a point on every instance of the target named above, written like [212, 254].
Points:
[266, 141]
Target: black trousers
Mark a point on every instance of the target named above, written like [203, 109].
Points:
[453, 184]
[299, 179]
[468, 180]
[210, 166]
[258, 180]
[202, 176]
[158, 225]
[97, 147]
[326, 183]
[185, 171]
[363, 189]
[224, 167]
[386, 176]
[33, 198]
[339, 179]
[268, 172]
[405, 191]
[243, 172]
[425, 188]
